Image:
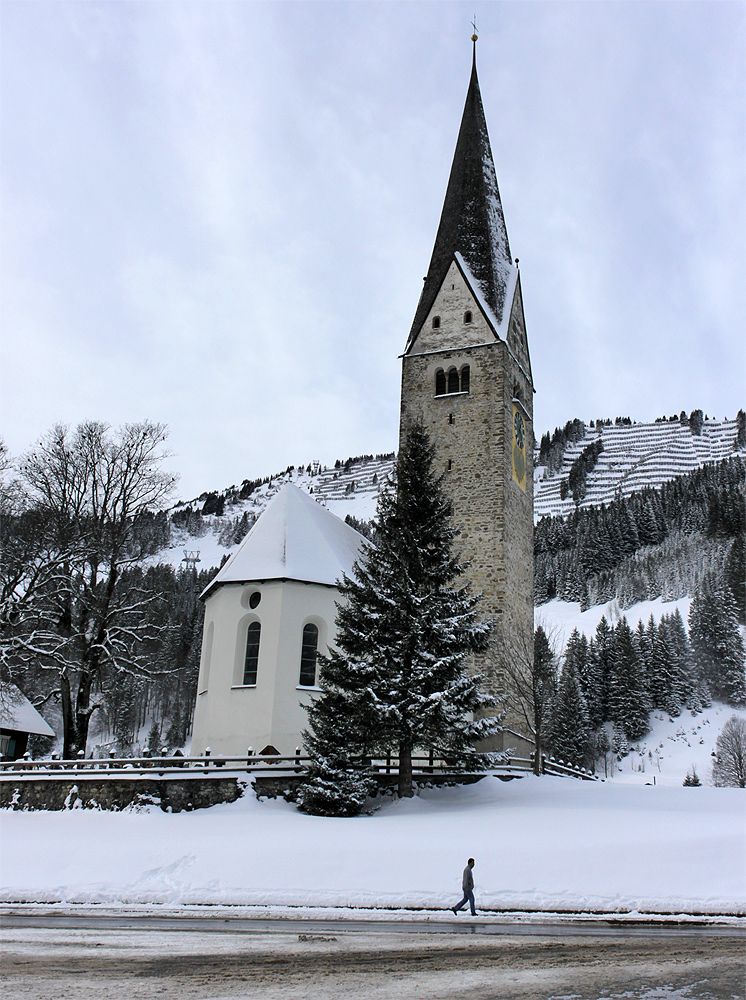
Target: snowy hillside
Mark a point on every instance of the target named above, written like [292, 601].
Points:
[350, 489]
[634, 456]
[674, 744]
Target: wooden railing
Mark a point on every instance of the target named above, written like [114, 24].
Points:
[250, 763]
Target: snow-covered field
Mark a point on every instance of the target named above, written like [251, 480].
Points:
[547, 844]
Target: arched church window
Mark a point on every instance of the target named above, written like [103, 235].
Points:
[308, 655]
[436, 322]
[440, 382]
[465, 376]
[467, 316]
[252, 653]
[452, 380]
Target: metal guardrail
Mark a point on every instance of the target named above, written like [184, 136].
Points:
[250, 763]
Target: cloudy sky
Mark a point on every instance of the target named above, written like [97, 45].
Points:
[218, 215]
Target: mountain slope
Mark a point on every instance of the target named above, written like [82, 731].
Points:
[634, 456]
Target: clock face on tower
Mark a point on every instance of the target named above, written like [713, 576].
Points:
[519, 428]
[519, 448]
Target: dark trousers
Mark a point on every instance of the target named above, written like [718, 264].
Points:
[468, 898]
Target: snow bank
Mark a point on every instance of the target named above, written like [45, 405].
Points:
[544, 844]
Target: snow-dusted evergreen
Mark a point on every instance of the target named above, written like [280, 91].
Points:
[398, 681]
[570, 723]
[717, 644]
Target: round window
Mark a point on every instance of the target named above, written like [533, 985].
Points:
[255, 599]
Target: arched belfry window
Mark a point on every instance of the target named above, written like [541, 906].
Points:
[452, 380]
[308, 653]
[467, 316]
[251, 660]
[440, 382]
[436, 322]
[465, 375]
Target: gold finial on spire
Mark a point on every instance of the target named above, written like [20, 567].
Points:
[475, 36]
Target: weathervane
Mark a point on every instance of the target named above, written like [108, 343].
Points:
[474, 37]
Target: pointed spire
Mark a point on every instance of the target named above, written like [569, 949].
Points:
[472, 221]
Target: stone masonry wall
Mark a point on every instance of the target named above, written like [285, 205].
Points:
[494, 514]
[172, 794]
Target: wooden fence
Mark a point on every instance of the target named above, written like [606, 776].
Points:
[268, 764]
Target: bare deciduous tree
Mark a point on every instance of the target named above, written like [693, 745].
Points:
[730, 754]
[530, 675]
[66, 604]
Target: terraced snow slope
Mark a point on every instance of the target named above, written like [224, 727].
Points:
[634, 457]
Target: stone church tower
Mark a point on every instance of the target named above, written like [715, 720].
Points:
[466, 374]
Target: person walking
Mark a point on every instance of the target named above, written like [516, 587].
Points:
[467, 884]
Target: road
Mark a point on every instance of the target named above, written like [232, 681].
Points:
[126, 957]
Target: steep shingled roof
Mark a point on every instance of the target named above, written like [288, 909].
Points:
[294, 538]
[472, 221]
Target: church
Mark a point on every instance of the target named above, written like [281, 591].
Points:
[466, 374]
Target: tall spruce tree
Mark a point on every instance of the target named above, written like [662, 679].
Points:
[601, 651]
[628, 702]
[398, 679]
[570, 728]
[578, 656]
[717, 645]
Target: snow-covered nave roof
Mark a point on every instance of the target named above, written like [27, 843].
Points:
[295, 538]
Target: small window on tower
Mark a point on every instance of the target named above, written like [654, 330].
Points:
[450, 418]
[440, 382]
[465, 378]
[436, 322]
[467, 316]
[452, 380]
[450, 464]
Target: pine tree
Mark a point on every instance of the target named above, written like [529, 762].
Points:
[628, 702]
[735, 573]
[660, 676]
[543, 690]
[601, 651]
[619, 743]
[397, 681]
[717, 645]
[570, 730]
[692, 778]
[682, 677]
[154, 738]
[578, 655]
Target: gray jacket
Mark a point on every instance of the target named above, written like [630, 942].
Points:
[467, 880]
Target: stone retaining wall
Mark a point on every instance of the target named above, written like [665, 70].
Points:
[172, 795]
